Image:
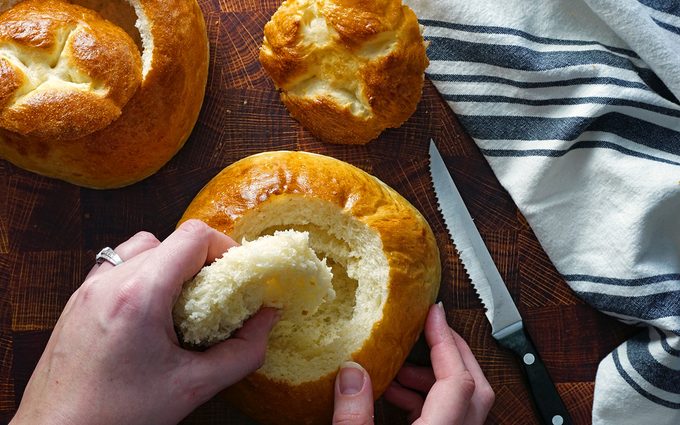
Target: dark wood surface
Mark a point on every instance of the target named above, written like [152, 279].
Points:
[50, 230]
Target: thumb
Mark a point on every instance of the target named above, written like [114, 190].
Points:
[353, 396]
[230, 361]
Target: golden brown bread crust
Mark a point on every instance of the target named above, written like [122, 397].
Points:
[346, 69]
[79, 47]
[408, 244]
[82, 139]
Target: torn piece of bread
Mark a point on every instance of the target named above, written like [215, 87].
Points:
[279, 270]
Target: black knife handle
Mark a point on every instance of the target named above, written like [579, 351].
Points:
[547, 399]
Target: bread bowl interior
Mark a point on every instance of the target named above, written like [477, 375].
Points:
[313, 346]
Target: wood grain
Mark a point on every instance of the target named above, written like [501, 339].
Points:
[50, 230]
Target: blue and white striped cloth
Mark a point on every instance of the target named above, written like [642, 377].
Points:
[574, 103]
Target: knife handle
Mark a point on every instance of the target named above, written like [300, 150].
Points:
[547, 399]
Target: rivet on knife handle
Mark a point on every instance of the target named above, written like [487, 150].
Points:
[547, 399]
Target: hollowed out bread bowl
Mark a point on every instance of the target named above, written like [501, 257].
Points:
[99, 93]
[385, 265]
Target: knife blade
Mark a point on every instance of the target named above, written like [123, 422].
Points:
[506, 322]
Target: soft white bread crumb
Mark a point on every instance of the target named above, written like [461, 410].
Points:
[279, 270]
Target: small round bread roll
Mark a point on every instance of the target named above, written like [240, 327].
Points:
[385, 265]
[81, 101]
[346, 69]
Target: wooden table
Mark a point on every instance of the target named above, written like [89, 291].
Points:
[50, 230]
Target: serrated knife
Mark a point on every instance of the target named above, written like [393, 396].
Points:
[506, 322]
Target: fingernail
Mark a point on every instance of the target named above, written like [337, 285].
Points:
[352, 377]
[440, 306]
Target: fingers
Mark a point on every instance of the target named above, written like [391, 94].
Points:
[483, 398]
[446, 359]
[449, 399]
[137, 244]
[405, 399]
[409, 388]
[353, 396]
[232, 360]
[417, 378]
[164, 267]
[182, 255]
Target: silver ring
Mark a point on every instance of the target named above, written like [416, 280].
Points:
[108, 254]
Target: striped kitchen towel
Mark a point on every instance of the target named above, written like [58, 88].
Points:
[574, 103]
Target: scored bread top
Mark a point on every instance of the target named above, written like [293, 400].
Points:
[385, 265]
[346, 69]
[67, 72]
[158, 117]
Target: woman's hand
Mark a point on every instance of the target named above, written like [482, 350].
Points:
[454, 391]
[113, 356]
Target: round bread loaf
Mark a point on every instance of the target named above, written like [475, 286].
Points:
[385, 265]
[85, 101]
[346, 69]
